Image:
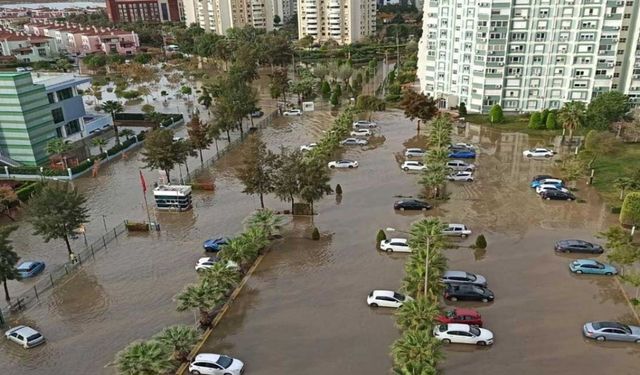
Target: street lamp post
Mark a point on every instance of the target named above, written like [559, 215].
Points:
[426, 260]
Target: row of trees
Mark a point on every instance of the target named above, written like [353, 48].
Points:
[417, 352]
[624, 252]
[167, 350]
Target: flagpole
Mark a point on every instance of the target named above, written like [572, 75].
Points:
[144, 195]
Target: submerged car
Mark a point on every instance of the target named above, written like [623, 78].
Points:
[414, 153]
[459, 165]
[558, 195]
[25, 336]
[613, 331]
[456, 230]
[215, 244]
[361, 133]
[343, 164]
[455, 333]
[308, 147]
[467, 292]
[395, 245]
[386, 298]
[30, 269]
[541, 177]
[549, 181]
[354, 142]
[208, 262]
[215, 364]
[547, 187]
[292, 112]
[364, 124]
[462, 277]
[462, 154]
[461, 176]
[462, 316]
[577, 246]
[538, 153]
[411, 204]
[592, 266]
[413, 166]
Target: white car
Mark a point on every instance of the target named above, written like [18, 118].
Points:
[547, 187]
[343, 164]
[24, 336]
[364, 124]
[215, 364]
[456, 230]
[292, 112]
[361, 133]
[395, 245]
[177, 139]
[461, 176]
[208, 262]
[538, 153]
[459, 165]
[386, 298]
[463, 334]
[354, 142]
[414, 153]
[308, 147]
[413, 166]
[465, 145]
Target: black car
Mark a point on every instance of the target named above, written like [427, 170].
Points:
[557, 195]
[257, 114]
[467, 292]
[578, 246]
[411, 204]
[541, 177]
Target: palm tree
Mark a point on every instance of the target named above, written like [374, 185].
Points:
[440, 135]
[433, 178]
[203, 296]
[417, 346]
[419, 314]
[267, 220]
[144, 91]
[113, 107]
[414, 280]
[240, 251]
[428, 232]
[59, 147]
[624, 183]
[127, 133]
[256, 237]
[572, 116]
[144, 358]
[225, 277]
[181, 339]
[415, 368]
[100, 142]
[205, 98]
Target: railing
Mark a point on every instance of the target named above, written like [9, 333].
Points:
[48, 281]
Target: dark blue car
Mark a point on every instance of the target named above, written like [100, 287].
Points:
[30, 269]
[462, 154]
[215, 245]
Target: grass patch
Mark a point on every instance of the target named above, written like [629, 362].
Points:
[517, 123]
[620, 163]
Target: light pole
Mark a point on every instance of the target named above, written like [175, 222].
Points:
[426, 260]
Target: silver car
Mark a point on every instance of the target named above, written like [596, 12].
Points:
[414, 152]
[462, 277]
[603, 331]
[25, 336]
[459, 165]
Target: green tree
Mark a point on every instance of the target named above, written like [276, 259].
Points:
[205, 98]
[571, 117]
[267, 220]
[8, 200]
[113, 107]
[624, 184]
[573, 168]
[180, 339]
[414, 368]
[146, 109]
[369, 104]
[607, 108]
[240, 250]
[186, 90]
[495, 114]
[183, 149]
[418, 106]
[462, 109]
[279, 84]
[159, 151]
[131, 94]
[314, 181]
[535, 121]
[630, 211]
[257, 171]
[225, 277]
[204, 297]
[8, 259]
[144, 358]
[441, 130]
[95, 61]
[199, 135]
[286, 180]
[100, 142]
[276, 20]
[127, 133]
[419, 314]
[325, 90]
[551, 123]
[417, 346]
[56, 212]
[599, 143]
[335, 99]
[59, 147]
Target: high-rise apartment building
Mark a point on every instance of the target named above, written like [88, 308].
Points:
[218, 16]
[528, 55]
[144, 10]
[345, 21]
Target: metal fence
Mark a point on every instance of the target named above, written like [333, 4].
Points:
[55, 276]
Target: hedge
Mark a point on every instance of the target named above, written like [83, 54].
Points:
[26, 190]
[630, 212]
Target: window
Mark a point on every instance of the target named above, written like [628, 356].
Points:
[65, 94]
[72, 127]
[51, 97]
[57, 114]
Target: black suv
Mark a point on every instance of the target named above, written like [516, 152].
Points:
[578, 246]
[557, 195]
[411, 204]
[467, 292]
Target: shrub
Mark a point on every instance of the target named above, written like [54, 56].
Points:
[462, 109]
[495, 114]
[481, 242]
[316, 234]
[26, 191]
[338, 189]
[630, 211]
[535, 120]
[551, 123]
[381, 236]
[133, 226]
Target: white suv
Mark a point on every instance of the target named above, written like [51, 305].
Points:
[386, 298]
[215, 364]
[413, 166]
[414, 153]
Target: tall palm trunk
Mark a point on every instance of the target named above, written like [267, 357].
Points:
[6, 290]
[201, 160]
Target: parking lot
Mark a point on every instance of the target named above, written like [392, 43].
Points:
[304, 310]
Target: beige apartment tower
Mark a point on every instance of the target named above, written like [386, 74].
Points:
[217, 16]
[345, 21]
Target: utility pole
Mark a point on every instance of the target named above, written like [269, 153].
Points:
[397, 50]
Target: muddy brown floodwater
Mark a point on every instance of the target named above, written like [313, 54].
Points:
[304, 310]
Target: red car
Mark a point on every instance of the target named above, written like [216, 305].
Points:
[464, 316]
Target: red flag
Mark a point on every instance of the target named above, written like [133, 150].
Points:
[144, 184]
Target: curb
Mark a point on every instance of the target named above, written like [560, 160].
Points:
[626, 297]
[183, 368]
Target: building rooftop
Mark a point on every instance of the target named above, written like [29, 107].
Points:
[53, 81]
